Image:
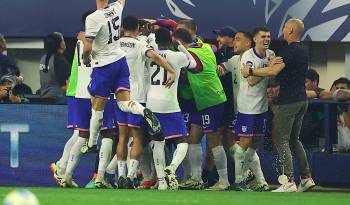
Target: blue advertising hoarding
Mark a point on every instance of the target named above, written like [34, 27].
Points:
[325, 20]
[31, 138]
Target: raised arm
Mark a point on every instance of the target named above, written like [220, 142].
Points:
[192, 61]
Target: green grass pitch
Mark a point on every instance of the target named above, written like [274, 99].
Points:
[58, 196]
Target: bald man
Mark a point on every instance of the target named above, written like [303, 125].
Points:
[290, 69]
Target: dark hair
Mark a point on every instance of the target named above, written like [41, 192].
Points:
[190, 25]
[312, 75]
[85, 15]
[163, 37]
[52, 44]
[184, 35]
[260, 28]
[130, 23]
[341, 80]
[246, 34]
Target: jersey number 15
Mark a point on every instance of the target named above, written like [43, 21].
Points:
[113, 29]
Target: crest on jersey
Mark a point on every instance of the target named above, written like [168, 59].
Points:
[244, 128]
[249, 64]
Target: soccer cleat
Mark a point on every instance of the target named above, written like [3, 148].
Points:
[56, 175]
[262, 187]
[219, 186]
[289, 187]
[151, 120]
[121, 182]
[86, 149]
[170, 178]
[306, 184]
[147, 184]
[102, 184]
[192, 185]
[91, 184]
[250, 177]
[68, 182]
[129, 184]
[162, 184]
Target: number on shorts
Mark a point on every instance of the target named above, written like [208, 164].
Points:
[206, 119]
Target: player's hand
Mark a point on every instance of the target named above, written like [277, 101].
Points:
[87, 61]
[275, 60]
[170, 81]
[220, 70]
[3, 93]
[81, 36]
[245, 71]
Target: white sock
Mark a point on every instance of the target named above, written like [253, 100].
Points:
[105, 156]
[132, 169]
[131, 106]
[186, 165]
[239, 156]
[195, 156]
[233, 149]
[129, 152]
[221, 163]
[179, 155]
[95, 125]
[74, 156]
[62, 163]
[159, 157]
[254, 164]
[112, 166]
[145, 164]
[121, 168]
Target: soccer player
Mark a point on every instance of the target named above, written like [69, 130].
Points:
[137, 53]
[164, 103]
[242, 42]
[205, 109]
[110, 69]
[252, 107]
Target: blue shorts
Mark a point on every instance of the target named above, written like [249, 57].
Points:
[109, 78]
[210, 119]
[249, 125]
[188, 108]
[172, 125]
[83, 110]
[71, 118]
[129, 119]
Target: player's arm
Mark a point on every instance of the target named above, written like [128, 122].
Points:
[192, 62]
[159, 60]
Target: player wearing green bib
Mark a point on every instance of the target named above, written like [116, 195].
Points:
[205, 109]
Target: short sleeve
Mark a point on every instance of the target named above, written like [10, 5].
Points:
[92, 27]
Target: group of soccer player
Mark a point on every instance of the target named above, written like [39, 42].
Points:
[143, 89]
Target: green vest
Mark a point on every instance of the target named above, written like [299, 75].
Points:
[73, 78]
[206, 86]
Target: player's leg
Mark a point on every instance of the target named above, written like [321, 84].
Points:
[121, 87]
[157, 144]
[174, 129]
[104, 158]
[147, 167]
[212, 118]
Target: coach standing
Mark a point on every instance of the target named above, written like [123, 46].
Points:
[291, 104]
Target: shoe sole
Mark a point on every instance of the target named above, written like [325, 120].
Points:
[308, 189]
[152, 120]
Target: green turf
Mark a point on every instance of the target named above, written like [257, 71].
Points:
[58, 196]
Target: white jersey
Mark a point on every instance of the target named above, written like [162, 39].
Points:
[150, 40]
[233, 65]
[159, 98]
[103, 26]
[84, 73]
[136, 58]
[253, 99]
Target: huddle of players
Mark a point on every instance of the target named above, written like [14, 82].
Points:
[154, 76]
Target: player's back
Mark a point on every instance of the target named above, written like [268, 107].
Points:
[103, 26]
[83, 73]
[159, 98]
[253, 99]
[136, 58]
